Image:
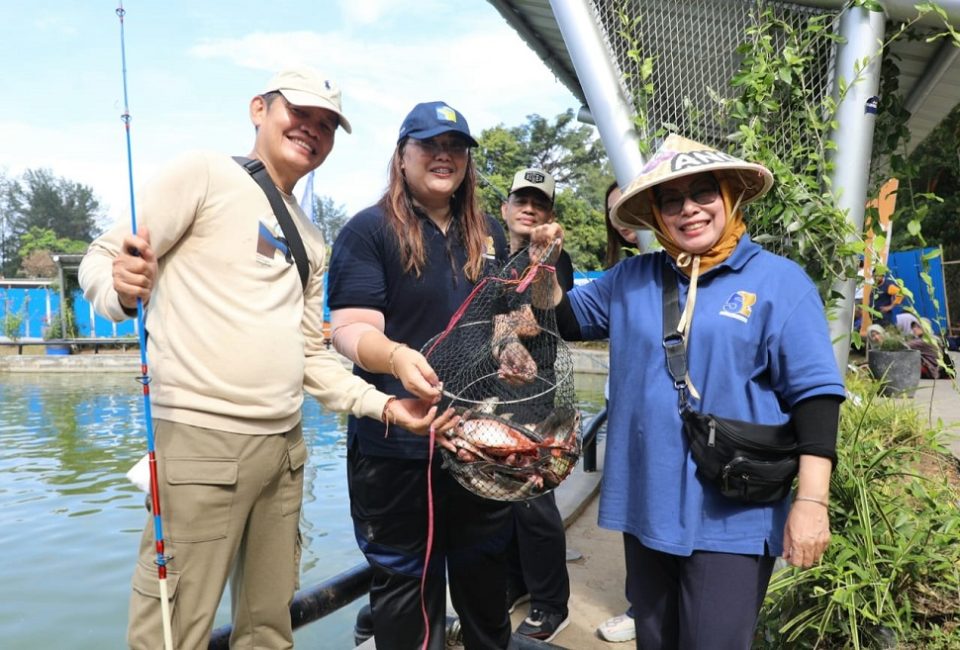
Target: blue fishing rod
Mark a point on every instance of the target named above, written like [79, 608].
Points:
[144, 377]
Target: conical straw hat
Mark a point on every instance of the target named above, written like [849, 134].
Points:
[679, 157]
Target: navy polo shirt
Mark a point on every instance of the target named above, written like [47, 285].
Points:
[366, 271]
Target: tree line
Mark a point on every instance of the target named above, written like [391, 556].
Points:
[42, 214]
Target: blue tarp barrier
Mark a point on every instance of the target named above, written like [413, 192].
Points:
[907, 266]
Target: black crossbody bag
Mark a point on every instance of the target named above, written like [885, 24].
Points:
[754, 463]
[259, 174]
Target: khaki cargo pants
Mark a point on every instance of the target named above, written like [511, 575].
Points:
[230, 508]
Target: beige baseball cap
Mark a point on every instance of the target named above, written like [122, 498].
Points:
[535, 178]
[678, 157]
[304, 86]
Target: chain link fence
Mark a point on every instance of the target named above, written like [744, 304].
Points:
[692, 45]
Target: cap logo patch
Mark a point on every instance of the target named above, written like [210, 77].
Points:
[739, 306]
[534, 177]
[446, 113]
[326, 84]
[697, 158]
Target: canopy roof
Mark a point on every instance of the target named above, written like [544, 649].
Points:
[929, 77]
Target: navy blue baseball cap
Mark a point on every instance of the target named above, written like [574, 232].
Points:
[430, 119]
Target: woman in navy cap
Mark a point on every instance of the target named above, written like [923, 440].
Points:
[399, 271]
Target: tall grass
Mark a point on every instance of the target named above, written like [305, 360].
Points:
[891, 575]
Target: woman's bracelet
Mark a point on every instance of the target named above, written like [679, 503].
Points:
[813, 500]
[393, 353]
[385, 415]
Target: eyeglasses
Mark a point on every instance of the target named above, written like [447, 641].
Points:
[536, 202]
[434, 147]
[671, 202]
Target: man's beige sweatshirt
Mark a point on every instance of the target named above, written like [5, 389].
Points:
[233, 338]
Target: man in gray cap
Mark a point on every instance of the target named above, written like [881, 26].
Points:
[235, 339]
[537, 554]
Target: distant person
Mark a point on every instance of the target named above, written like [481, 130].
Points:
[931, 353]
[619, 628]
[234, 340]
[752, 329]
[399, 271]
[887, 299]
[621, 242]
[538, 552]
[875, 335]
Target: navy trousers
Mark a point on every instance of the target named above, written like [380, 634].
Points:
[388, 502]
[707, 601]
[537, 558]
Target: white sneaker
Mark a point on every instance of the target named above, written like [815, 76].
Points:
[618, 629]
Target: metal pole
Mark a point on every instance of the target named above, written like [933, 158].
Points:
[600, 80]
[63, 298]
[862, 31]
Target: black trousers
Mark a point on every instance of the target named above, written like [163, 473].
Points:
[537, 558]
[707, 601]
[388, 502]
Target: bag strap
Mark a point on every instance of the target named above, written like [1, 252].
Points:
[259, 173]
[673, 344]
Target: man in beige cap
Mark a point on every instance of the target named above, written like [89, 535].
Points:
[235, 337]
[537, 554]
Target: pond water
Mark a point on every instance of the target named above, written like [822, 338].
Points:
[70, 520]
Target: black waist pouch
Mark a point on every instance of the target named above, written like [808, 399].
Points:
[754, 463]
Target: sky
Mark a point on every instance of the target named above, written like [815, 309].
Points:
[192, 68]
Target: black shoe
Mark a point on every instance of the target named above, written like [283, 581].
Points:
[543, 625]
[514, 599]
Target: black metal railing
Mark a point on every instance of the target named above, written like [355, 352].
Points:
[316, 602]
[589, 440]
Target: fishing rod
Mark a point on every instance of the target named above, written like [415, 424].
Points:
[144, 377]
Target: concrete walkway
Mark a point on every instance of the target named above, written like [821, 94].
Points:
[939, 401]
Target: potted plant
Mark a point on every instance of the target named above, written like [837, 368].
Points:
[892, 362]
[58, 329]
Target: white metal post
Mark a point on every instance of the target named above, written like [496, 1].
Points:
[604, 93]
[862, 31]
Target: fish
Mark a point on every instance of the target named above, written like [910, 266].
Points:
[501, 460]
[496, 436]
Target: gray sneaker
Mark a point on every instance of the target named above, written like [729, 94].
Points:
[543, 625]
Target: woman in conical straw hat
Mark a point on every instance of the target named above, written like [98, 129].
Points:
[757, 350]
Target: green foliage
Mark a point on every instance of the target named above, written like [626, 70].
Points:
[328, 217]
[778, 117]
[61, 326]
[12, 322]
[892, 341]
[799, 218]
[584, 241]
[930, 192]
[40, 200]
[893, 565]
[47, 240]
[573, 155]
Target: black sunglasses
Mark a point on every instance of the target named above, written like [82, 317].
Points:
[671, 202]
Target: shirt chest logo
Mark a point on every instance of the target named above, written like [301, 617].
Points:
[739, 306]
[491, 253]
[270, 243]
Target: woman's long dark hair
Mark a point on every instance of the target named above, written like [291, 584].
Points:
[615, 241]
[468, 219]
